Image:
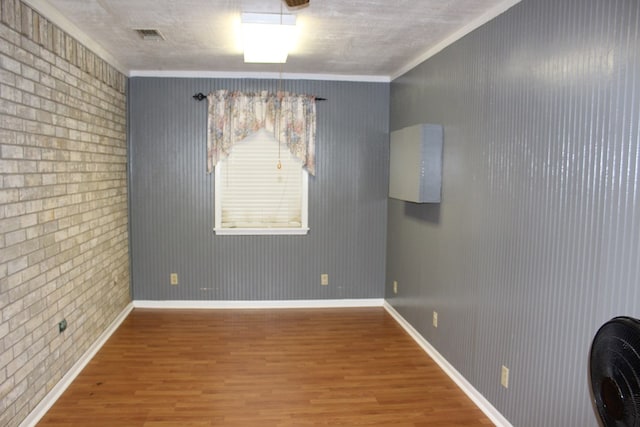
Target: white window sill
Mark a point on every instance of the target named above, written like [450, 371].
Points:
[260, 231]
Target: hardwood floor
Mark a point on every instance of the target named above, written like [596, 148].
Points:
[349, 367]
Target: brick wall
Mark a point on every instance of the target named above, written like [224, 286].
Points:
[63, 204]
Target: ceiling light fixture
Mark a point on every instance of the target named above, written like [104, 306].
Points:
[267, 37]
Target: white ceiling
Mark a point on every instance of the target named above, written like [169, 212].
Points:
[354, 39]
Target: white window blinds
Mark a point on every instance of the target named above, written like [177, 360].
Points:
[254, 196]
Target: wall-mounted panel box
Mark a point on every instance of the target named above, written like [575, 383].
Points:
[415, 169]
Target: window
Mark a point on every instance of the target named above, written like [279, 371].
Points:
[254, 196]
[261, 147]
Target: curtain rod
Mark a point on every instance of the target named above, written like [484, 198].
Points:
[200, 96]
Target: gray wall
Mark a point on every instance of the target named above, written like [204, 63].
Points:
[172, 199]
[536, 241]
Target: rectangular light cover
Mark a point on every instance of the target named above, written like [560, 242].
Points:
[267, 37]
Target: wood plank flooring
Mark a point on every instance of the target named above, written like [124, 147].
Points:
[348, 367]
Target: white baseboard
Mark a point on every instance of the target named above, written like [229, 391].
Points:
[481, 402]
[324, 303]
[47, 402]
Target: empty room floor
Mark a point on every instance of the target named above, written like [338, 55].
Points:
[284, 367]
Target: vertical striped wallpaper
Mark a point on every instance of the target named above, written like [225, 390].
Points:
[172, 211]
[537, 240]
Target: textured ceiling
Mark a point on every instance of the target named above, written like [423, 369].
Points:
[377, 38]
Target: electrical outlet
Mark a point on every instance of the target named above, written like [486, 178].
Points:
[324, 279]
[504, 377]
[174, 278]
[395, 286]
[435, 319]
[62, 325]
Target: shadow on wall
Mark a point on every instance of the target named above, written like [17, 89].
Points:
[425, 212]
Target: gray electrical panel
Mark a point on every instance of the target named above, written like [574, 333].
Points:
[415, 166]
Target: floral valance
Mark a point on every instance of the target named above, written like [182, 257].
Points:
[235, 115]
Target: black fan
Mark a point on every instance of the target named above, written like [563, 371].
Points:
[615, 372]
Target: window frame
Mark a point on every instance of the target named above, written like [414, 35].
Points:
[251, 231]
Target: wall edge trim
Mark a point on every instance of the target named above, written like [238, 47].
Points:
[329, 303]
[49, 12]
[481, 402]
[194, 74]
[476, 23]
[48, 401]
